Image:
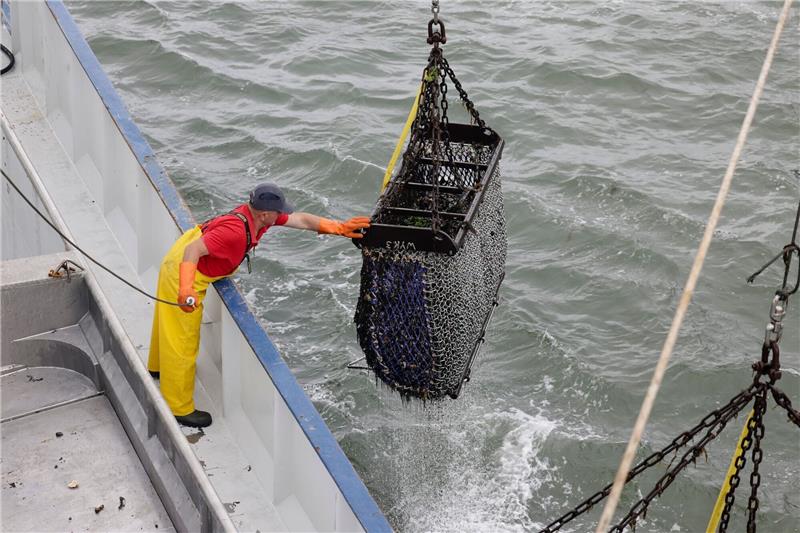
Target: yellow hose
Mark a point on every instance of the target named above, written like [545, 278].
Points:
[411, 115]
[713, 522]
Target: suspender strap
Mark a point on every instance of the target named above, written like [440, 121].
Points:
[249, 239]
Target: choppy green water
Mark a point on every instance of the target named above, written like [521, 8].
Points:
[619, 119]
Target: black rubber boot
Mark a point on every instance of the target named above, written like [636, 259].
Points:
[155, 374]
[195, 419]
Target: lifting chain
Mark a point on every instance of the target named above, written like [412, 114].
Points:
[639, 509]
[770, 367]
[436, 156]
[436, 106]
[713, 423]
[734, 480]
[759, 409]
[753, 436]
[436, 37]
[783, 401]
[464, 96]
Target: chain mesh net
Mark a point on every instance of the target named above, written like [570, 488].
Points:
[422, 310]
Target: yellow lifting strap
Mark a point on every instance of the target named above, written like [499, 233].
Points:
[410, 120]
[713, 522]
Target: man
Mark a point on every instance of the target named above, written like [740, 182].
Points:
[201, 256]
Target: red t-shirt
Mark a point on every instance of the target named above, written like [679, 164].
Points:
[226, 240]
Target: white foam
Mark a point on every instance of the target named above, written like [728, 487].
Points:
[250, 296]
[472, 492]
[346, 157]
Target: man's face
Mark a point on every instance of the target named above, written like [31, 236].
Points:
[267, 218]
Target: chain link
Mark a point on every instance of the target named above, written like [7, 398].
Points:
[639, 509]
[436, 142]
[734, 480]
[783, 401]
[759, 409]
[463, 95]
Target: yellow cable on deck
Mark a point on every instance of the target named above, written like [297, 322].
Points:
[713, 522]
[411, 116]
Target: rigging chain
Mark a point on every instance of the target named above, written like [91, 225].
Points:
[639, 509]
[755, 432]
[755, 478]
[436, 123]
[686, 296]
[715, 422]
[718, 417]
[783, 401]
[733, 481]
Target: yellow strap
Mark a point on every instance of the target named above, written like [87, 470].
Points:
[713, 522]
[411, 115]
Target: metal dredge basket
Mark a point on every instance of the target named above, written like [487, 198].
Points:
[434, 255]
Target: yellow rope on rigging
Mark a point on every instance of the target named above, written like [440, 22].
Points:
[713, 522]
[410, 120]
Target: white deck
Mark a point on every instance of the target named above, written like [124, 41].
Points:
[56, 429]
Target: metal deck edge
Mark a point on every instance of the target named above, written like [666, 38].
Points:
[314, 427]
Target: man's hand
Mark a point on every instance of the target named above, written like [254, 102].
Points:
[187, 271]
[348, 228]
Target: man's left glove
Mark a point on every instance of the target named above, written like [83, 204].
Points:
[348, 228]
[186, 290]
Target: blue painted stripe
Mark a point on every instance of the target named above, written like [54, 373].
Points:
[318, 433]
[6, 15]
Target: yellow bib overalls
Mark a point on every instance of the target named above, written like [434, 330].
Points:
[175, 339]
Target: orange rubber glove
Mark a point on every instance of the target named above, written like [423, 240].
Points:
[186, 285]
[348, 228]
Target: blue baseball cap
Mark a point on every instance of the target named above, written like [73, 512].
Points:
[269, 197]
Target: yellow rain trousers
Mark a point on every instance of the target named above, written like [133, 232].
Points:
[175, 339]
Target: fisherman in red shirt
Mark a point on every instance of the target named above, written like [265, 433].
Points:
[199, 257]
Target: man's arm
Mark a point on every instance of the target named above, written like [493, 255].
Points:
[195, 250]
[303, 221]
[348, 228]
[186, 274]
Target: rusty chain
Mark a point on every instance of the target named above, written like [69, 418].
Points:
[735, 479]
[783, 401]
[639, 509]
[759, 409]
[463, 95]
[714, 423]
[717, 417]
[437, 91]
[690, 456]
[436, 107]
